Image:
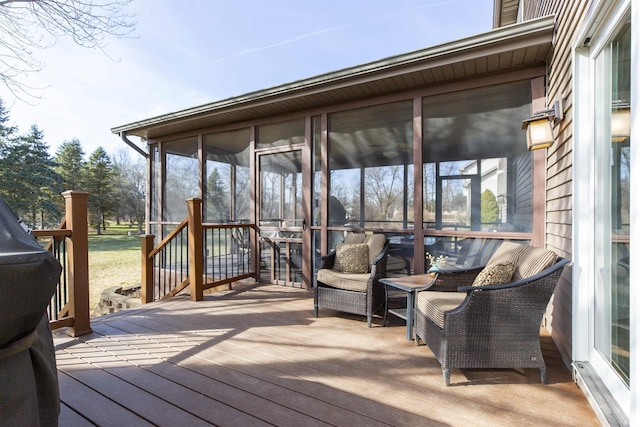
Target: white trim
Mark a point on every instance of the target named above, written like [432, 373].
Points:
[634, 297]
[602, 23]
[582, 219]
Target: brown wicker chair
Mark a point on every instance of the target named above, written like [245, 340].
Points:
[486, 327]
[357, 293]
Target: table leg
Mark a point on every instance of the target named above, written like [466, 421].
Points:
[410, 304]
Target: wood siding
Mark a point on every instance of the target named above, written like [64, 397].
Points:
[559, 205]
[523, 187]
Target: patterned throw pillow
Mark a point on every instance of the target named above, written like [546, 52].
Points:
[352, 258]
[495, 274]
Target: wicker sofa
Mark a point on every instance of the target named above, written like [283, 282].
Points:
[358, 291]
[477, 318]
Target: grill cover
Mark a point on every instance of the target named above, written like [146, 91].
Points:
[29, 393]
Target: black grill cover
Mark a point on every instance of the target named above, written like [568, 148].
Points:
[29, 392]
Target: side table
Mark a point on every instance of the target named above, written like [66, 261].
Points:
[410, 285]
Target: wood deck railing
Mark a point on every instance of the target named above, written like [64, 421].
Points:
[69, 243]
[196, 256]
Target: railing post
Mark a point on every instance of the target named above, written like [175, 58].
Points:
[78, 261]
[194, 209]
[146, 270]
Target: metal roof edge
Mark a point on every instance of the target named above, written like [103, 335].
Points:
[526, 29]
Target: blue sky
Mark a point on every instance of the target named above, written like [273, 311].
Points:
[186, 53]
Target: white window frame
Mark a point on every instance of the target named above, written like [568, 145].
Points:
[600, 26]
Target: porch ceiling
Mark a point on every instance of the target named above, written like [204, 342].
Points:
[503, 49]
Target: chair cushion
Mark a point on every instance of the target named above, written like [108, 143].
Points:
[507, 252]
[434, 303]
[346, 281]
[352, 258]
[376, 244]
[532, 261]
[495, 274]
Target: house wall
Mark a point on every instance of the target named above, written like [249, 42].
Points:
[558, 197]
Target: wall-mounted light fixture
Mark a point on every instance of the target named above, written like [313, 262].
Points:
[540, 127]
[620, 120]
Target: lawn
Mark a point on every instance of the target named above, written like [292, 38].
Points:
[114, 260]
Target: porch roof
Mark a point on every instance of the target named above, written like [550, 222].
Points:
[503, 49]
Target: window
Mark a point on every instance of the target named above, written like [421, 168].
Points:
[613, 185]
[282, 134]
[226, 176]
[477, 172]
[181, 181]
[371, 163]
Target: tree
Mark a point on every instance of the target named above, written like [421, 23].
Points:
[99, 174]
[489, 210]
[27, 25]
[28, 180]
[70, 164]
[130, 191]
[383, 190]
[41, 179]
[7, 138]
[217, 198]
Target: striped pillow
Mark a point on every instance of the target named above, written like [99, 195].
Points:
[507, 252]
[532, 261]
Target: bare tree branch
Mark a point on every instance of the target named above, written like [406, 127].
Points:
[29, 25]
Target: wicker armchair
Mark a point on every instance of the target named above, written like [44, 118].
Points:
[357, 293]
[493, 326]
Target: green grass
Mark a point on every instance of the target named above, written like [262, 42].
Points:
[114, 260]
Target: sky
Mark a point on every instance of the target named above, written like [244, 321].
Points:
[186, 53]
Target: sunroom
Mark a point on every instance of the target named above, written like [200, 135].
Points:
[425, 147]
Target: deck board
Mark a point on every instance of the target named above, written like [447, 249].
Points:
[255, 355]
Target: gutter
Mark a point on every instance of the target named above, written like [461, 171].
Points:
[123, 136]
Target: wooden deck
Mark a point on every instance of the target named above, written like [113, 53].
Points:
[257, 356]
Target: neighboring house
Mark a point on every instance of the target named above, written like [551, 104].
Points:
[379, 147]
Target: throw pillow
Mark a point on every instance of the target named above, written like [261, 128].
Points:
[495, 274]
[352, 258]
[533, 261]
[507, 252]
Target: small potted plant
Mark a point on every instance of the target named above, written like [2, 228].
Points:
[435, 263]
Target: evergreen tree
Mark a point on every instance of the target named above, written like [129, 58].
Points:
[489, 207]
[28, 181]
[217, 198]
[42, 181]
[7, 171]
[99, 183]
[70, 165]
[13, 151]
[6, 131]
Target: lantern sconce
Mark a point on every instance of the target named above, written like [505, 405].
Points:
[620, 121]
[540, 127]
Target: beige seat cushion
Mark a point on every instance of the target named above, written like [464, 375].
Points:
[532, 261]
[346, 281]
[435, 303]
[352, 258]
